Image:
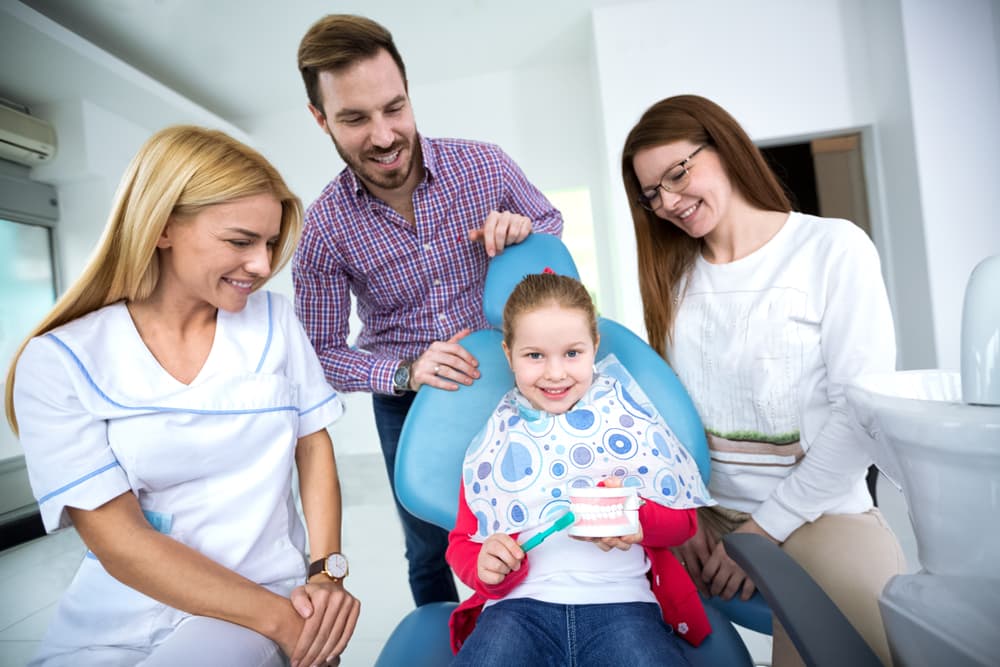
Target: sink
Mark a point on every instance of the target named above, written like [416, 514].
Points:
[945, 456]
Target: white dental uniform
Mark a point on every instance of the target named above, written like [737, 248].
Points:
[210, 463]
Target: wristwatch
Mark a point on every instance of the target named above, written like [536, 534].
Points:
[401, 378]
[333, 566]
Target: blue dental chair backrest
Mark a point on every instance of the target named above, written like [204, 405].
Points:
[441, 424]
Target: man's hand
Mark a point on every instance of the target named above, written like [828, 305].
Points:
[444, 364]
[501, 229]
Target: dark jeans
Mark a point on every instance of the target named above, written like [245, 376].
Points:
[430, 577]
[522, 631]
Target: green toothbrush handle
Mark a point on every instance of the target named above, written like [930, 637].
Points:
[565, 521]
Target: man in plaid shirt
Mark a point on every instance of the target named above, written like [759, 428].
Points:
[408, 227]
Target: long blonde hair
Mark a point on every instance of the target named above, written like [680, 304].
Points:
[178, 172]
[666, 253]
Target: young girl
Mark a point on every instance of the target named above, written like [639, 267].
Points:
[567, 425]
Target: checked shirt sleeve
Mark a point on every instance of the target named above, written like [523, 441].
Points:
[323, 305]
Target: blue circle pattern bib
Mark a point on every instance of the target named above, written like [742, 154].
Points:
[521, 467]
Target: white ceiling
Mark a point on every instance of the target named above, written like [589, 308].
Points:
[236, 58]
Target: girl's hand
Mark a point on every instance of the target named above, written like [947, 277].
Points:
[499, 556]
[623, 542]
[330, 614]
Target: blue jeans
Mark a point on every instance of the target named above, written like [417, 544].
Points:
[430, 576]
[522, 631]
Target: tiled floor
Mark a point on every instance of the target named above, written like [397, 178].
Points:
[33, 575]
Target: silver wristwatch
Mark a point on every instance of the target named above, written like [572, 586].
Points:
[401, 378]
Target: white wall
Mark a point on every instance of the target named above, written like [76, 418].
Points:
[102, 110]
[881, 85]
[919, 77]
[86, 173]
[951, 55]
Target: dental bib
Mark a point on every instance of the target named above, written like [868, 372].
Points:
[523, 466]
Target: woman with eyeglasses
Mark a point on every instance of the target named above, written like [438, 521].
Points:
[765, 314]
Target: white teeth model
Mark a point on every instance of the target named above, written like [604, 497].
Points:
[587, 511]
[244, 285]
[618, 514]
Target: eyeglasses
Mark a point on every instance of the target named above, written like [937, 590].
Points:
[674, 179]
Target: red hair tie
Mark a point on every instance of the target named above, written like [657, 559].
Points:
[548, 269]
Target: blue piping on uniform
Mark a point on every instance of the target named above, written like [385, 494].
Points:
[319, 405]
[158, 408]
[69, 486]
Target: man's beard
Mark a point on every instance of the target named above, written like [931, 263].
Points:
[369, 175]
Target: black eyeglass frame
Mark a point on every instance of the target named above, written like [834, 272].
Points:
[648, 204]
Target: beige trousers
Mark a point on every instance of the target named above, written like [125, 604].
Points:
[850, 556]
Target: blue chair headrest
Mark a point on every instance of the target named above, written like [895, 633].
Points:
[532, 255]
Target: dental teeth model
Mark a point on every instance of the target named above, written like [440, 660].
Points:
[604, 512]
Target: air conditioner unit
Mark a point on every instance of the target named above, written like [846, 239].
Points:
[25, 139]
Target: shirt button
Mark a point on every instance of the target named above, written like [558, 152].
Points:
[442, 317]
[437, 281]
[427, 247]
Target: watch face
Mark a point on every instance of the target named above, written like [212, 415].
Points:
[402, 376]
[336, 565]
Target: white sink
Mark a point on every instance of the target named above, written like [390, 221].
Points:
[945, 455]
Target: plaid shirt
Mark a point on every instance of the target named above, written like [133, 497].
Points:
[413, 285]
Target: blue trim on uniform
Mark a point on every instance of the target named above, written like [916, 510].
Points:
[326, 400]
[158, 408]
[270, 333]
[67, 487]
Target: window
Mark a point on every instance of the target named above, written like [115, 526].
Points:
[27, 293]
[578, 234]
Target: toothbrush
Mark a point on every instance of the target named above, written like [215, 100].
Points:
[565, 521]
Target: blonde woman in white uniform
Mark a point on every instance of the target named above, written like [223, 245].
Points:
[162, 406]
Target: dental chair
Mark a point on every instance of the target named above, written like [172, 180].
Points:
[441, 424]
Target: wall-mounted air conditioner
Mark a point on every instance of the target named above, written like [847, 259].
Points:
[25, 139]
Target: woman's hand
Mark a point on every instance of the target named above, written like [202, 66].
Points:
[499, 556]
[694, 553]
[721, 574]
[330, 614]
[723, 577]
